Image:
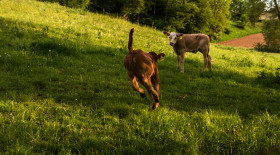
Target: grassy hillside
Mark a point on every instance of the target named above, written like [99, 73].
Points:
[64, 90]
[232, 31]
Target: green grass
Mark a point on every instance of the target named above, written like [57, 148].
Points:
[64, 90]
[232, 31]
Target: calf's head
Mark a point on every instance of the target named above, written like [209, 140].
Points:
[173, 37]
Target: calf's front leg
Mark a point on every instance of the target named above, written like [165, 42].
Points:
[209, 62]
[178, 61]
[182, 61]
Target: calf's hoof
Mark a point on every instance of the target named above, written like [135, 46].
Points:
[143, 95]
[155, 105]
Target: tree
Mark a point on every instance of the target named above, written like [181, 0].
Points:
[238, 8]
[277, 9]
[219, 16]
[133, 8]
[256, 8]
[197, 16]
[112, 6]
[181, 16]
[166, 11]
[271, 34]
[271, 29]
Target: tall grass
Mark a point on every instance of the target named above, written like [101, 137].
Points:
[64, 90]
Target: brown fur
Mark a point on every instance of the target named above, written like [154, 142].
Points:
[192, 43]
[143, 66]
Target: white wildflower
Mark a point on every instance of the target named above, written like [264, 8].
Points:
[13, 117]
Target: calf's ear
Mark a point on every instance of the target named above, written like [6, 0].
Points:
[154, 55]
[160, 56]
[166, 33]
[179, 34]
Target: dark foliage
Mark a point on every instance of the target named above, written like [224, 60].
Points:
[271, 34]
[194, 16]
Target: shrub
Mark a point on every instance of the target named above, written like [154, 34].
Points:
[263, 48]
[243, 21]
[227, 30]
[269, 78]
[271, 34]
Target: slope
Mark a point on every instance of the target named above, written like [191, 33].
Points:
[64, 90]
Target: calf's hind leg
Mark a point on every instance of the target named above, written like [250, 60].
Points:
[209, 62]
[155, 82]
[135, 86]
[153, 93]
[205, 57]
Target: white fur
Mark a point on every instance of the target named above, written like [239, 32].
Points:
[172, 37]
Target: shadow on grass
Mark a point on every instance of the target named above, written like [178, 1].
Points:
[221, 90]
[35, 66]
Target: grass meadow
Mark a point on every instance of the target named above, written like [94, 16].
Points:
[64, 90]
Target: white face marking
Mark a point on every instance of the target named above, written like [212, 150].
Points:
[172, 38]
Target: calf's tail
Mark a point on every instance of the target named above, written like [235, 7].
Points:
[130, 41]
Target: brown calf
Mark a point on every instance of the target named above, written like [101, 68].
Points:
[190, 43]
[143, 66]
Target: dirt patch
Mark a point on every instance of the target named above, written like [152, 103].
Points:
[247, 41]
